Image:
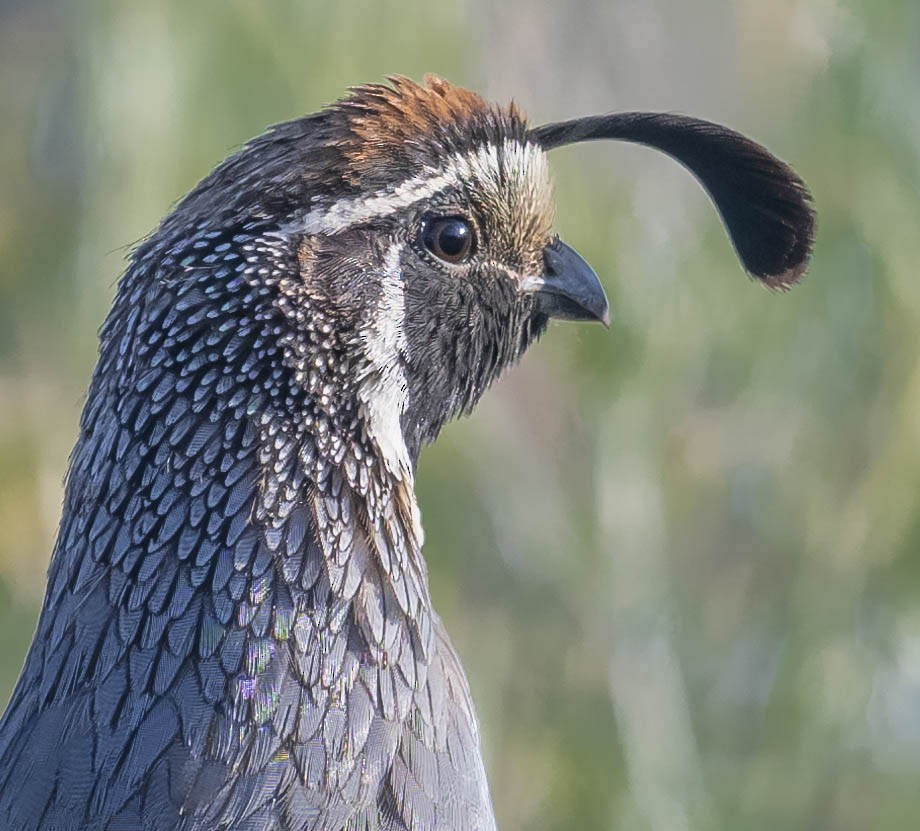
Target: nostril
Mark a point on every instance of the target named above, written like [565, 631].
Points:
[551, 258]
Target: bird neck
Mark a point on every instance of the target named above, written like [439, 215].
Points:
[220, 427]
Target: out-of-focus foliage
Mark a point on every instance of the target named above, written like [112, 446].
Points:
[681, 559]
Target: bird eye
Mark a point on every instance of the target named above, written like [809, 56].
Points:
[448, 238]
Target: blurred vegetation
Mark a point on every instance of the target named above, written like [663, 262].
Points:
[679, 558]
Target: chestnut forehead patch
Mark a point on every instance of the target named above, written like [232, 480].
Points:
[404, 122]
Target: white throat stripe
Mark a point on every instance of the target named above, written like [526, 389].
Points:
[382, 386]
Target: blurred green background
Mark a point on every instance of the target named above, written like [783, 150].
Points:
[679, 558]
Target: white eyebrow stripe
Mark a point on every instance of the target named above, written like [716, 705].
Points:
[329, 219]
[479, 165]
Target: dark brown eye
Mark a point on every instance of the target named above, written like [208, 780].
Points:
[449, 238]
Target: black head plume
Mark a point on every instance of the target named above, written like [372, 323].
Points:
[765, 206]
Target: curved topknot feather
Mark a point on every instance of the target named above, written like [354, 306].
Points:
[767, 209]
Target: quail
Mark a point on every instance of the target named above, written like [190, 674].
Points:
[237, 631]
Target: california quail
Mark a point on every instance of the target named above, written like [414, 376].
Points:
[237, 631]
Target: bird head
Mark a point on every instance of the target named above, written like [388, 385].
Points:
[417, 252]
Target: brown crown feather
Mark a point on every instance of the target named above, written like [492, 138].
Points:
[418, 123]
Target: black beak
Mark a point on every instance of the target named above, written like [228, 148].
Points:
[569, 288]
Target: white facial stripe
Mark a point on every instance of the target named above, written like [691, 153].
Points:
[382, 387]
[347, 212]
[524, 164]
[519, 171]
